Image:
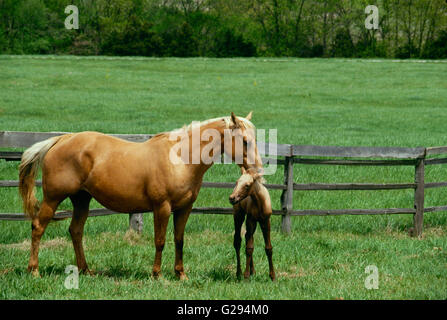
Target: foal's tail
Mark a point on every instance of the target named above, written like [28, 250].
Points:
[31, 161]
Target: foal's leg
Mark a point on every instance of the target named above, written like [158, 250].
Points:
[265, 226]
[239, 217]
[39, 223]
[249, 246]
[81, 203]
[161, 219]
[180, 219]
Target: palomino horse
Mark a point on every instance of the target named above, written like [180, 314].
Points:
[250, 197]
[127, 177]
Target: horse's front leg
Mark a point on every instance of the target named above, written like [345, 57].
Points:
[239, 217]
[161, 219]
[249, 246]
[180, 219]
[265, 227]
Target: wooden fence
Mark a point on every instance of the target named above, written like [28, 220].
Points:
[286, 155]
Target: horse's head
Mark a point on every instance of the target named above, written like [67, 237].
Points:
[245, 185]
[242, 144]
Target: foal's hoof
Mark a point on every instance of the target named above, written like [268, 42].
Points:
[34, 272]
[156, 275]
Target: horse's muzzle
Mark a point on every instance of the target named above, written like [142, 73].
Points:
[233, 200]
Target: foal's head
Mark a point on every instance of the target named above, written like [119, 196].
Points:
[245, 185]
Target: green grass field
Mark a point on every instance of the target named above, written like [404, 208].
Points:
[314, 101]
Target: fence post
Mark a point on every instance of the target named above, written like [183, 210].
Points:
[287, 196]
[136, 222]
[418, 217]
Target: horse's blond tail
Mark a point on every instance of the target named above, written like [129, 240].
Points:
[31, 161]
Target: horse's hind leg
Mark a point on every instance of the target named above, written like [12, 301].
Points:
[161, 219]
[265, 226]
[81, 202]
[180, 219]
[38, 226]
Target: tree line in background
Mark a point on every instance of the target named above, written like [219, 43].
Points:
[226, 28]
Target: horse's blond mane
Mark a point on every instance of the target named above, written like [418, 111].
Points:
[247, 124]
[194, 124]
[186, 128]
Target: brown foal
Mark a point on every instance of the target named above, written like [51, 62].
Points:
[251, 198]
[127, 177]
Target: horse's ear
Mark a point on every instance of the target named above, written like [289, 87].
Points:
[259, 178]
[243, 171]
[235, 120]
[259, 174]
[248, 117]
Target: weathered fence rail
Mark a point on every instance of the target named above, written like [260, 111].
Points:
[286, 155]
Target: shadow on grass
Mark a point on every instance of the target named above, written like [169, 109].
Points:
[43, 271]
[221, 275]
[119, 272]
[116, 272]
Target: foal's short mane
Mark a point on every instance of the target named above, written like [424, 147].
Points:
[259, 181]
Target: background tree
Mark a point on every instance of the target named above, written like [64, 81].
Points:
[226, 28]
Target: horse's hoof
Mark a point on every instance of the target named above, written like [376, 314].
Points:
[183, 277]
[88, 272]
[156, 275]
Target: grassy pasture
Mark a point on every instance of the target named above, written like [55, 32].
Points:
[321, 102]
